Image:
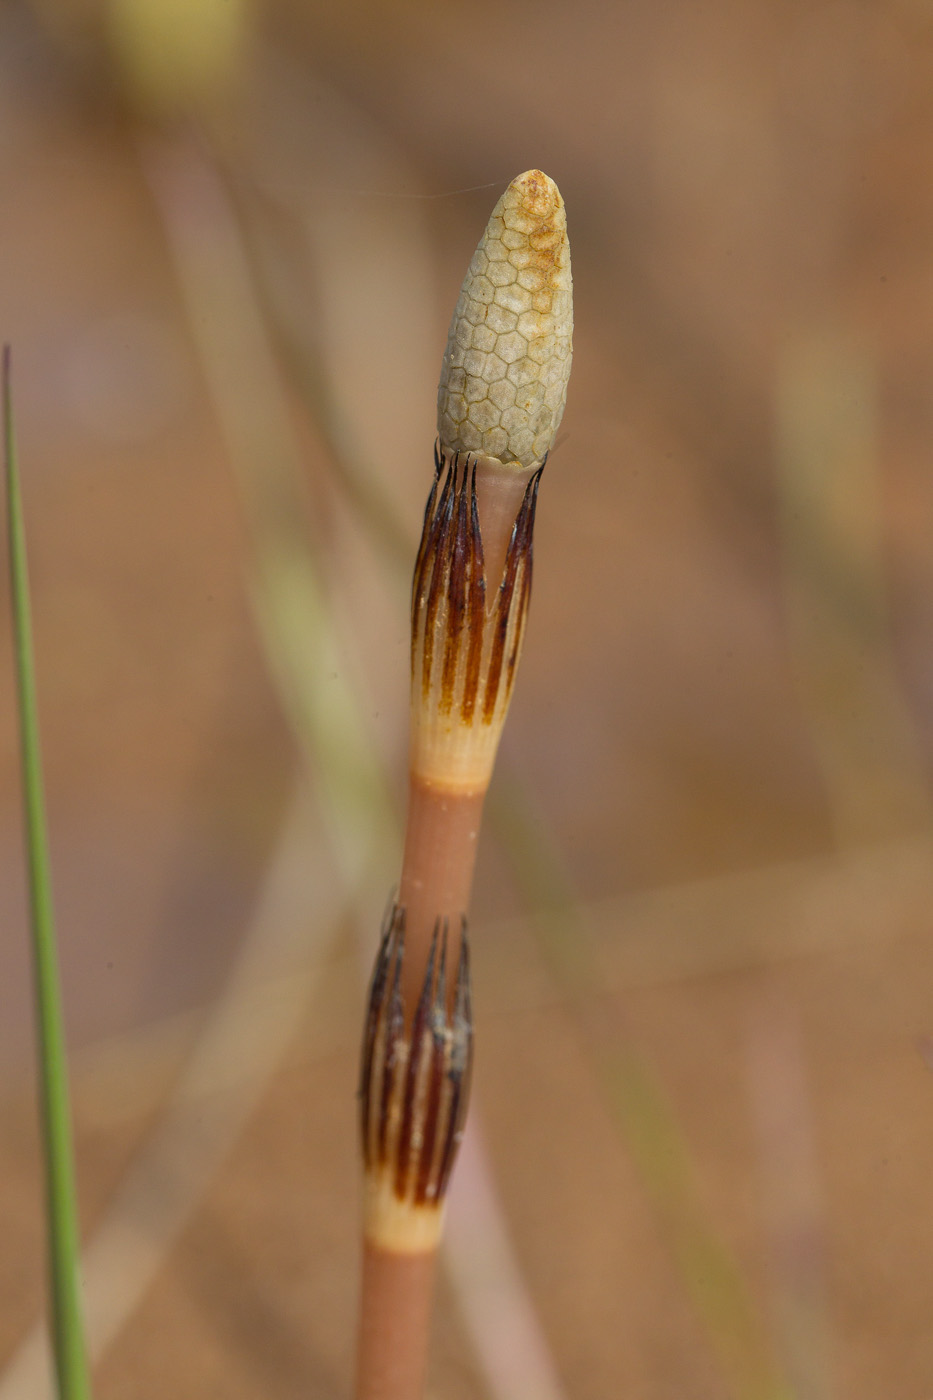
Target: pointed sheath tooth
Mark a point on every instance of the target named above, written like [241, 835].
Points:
[504, 377]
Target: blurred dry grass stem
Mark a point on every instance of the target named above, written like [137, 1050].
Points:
[837, 598]
[176, 56]
[781, 1110]
[645, 1116]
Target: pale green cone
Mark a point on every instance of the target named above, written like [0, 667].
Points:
[503, 381]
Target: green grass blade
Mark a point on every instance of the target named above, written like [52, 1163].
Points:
[67, 1333]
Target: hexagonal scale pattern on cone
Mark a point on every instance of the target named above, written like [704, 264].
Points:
[504, 378]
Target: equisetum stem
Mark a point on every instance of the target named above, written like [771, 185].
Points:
[417, 1052]
[441, 836]
[502, 390]
[397, 1292]
[444, 815]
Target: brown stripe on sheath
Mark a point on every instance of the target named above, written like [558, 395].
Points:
[427, 600]
[477, 610]
[377, 988]
[391, 1051]
[455, 588]
[383, 1041]
[414, 1088]
[428, 517]
[434, 513]
[419, 1069]
[511, 606]
[424, 1186]
[459, 1065]
[525, 555]
[449, 590]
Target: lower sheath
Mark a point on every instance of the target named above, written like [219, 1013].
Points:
[395, 1318]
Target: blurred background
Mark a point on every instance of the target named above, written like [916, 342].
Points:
[232, 234]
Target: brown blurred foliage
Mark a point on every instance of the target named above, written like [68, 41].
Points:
[231, 238]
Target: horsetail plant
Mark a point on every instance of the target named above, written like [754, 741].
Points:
[500, 400]
[61, 1211]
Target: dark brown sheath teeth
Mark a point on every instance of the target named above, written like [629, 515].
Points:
[465, 644]
[414, 1082]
